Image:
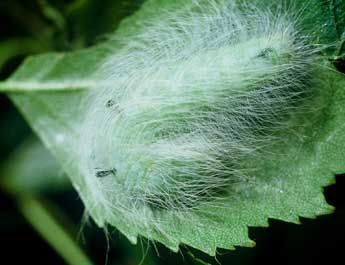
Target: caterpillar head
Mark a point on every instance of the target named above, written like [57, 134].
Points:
[187, 103]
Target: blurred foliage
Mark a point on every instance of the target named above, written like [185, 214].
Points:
[32, 169]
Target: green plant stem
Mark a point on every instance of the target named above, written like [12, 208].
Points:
[44, 223]
[195, 259]
[335, 19]
[53, 14]
[75, 5]
[341, 47]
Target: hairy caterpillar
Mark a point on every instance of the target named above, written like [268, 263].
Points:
[188, 102]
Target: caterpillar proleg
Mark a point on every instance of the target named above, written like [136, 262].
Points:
[187, 103]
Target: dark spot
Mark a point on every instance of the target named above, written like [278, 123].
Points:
[105, 173]
[110, 103]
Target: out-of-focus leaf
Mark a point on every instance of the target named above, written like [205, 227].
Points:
[18, 46]
[93, 19]
[32, 169]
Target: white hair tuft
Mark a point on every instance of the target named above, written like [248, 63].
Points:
[187, 103]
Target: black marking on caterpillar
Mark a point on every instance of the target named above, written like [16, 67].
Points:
[105, 173]
[110, 103]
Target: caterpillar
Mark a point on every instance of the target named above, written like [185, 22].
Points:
[187, 103]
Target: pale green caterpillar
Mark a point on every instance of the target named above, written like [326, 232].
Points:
[187, 104]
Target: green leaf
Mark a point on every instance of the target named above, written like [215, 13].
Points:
[50, 91]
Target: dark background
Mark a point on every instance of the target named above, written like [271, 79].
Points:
[319, 240]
